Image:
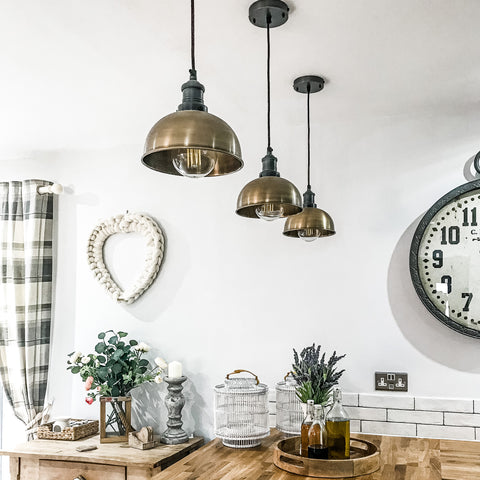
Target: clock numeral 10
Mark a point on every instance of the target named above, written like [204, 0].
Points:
[469, 297]
[473, 223]
[453, 235]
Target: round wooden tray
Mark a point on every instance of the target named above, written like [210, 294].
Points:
[364, 459]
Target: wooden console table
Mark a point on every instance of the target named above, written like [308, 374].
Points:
[59, 460]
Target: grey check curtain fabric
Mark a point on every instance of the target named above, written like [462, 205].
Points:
[26, 223]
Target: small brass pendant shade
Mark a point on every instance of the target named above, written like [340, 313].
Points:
[312, 222]
[191, 141]
[269, 197]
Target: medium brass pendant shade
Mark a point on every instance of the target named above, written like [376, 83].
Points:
[192, 142]
[312, 222]
[269, 197]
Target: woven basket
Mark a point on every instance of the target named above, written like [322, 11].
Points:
[68, 433]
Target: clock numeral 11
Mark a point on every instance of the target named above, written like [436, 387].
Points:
[453, 235]
[473, 223]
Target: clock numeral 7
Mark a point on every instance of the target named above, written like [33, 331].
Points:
[453, 235]
[469, 297]
[437, 255]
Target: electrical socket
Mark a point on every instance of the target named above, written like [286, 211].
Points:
[391, 381]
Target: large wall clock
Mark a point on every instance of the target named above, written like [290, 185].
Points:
[445, 258]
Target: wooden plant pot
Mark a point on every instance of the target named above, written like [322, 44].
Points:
[115, 419]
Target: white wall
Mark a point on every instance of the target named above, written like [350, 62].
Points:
[233, 292]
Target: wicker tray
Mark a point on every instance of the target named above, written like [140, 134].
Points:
[69, 433]
[364, 459]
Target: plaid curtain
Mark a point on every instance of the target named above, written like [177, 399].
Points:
[26, 222]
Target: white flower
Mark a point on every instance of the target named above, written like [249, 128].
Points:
[158, 379]
[75, 357]
[161, 363]
[142, 347]
[97, 363]
[85, 360]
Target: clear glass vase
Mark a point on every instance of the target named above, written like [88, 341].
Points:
[115, 419]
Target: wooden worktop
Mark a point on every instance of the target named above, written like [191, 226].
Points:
[401, 459]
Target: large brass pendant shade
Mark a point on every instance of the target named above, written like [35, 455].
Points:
[312, 222]
[192, 142]
[269, 197]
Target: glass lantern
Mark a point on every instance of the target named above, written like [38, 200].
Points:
[241, 411]
[289, 408]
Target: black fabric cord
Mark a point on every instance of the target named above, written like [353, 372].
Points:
[269, 147]
[192, 32]
[308, 135]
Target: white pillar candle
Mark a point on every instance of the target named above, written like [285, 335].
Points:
[174, 369]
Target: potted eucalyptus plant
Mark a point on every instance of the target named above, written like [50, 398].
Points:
[315, 376]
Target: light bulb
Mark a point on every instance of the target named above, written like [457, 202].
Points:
[194, 163]
[269, 211]
[309, 234]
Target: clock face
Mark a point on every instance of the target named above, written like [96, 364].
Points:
[445, 259]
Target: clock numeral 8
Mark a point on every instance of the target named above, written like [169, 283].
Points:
[437, 255]
[448, 280]
[453, 235]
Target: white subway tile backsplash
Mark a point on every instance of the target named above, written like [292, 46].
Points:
[444, 404]
[462, 419]
[272, 421]
[272, 407]
[350, 399]
[386, 401]
[389, 428]
[415, 416]
[450, 418]
[355, 426]
[360, 413]
[440, 431]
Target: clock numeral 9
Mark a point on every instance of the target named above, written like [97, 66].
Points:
[469, 297]
[437, 255]
[453, 235]
[448, 280]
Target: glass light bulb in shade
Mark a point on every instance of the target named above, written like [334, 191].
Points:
[309, 234]
[269, 211]
[194, 163]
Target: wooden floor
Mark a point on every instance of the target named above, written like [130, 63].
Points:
[401, 458]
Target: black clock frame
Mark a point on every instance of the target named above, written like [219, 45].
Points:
[414, 267]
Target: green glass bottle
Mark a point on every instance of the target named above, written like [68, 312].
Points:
[338, 429]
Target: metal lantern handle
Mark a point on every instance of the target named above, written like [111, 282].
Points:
[287, 375]
[241, 371]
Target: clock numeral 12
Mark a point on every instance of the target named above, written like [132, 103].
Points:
[469, 297]
[453, 235]
[473, 223]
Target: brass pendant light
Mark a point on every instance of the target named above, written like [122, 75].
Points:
[268, 197]
[313, 222]
[192, 142]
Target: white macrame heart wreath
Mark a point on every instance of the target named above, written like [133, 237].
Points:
[128, 223]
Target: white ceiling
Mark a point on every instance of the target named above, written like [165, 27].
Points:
[98, 74]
